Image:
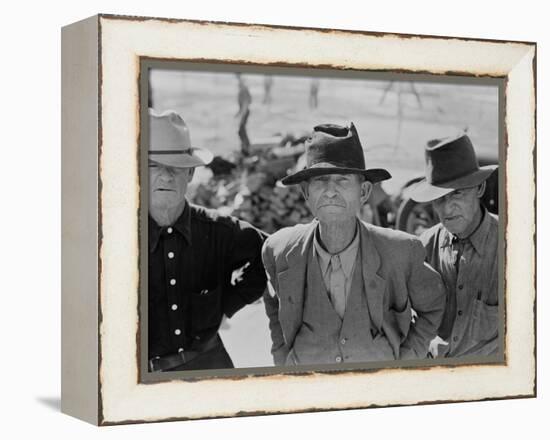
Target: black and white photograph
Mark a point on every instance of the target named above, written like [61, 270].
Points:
[316, 220]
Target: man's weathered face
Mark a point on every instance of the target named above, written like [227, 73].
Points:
[336, 197]
[167, 185]
[458, 211]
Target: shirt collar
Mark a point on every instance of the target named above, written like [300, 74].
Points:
[476, 238]
[479, 237]
[182, 225]
[347, 256]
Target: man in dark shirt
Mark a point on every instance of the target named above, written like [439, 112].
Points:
[202, 265]
[462, 248]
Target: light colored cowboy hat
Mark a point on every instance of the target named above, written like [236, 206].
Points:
[170, 142]
[333, 149]
[451, 164]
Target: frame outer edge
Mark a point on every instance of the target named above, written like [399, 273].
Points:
[108, 422]
[79, 220]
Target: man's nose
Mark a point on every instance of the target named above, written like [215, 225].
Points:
[165, 173]
[330, 188]
[446, 205]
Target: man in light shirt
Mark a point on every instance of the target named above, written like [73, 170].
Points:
[462, 247]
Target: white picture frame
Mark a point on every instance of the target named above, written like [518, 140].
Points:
[101, 202]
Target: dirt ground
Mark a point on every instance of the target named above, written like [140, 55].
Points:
[394, 121]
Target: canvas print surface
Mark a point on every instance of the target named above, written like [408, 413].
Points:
[319, 220]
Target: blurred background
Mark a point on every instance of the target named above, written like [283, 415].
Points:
[256, 124]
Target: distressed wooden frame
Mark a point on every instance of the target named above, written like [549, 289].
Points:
[101, 206]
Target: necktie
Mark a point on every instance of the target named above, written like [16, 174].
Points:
[337, 286]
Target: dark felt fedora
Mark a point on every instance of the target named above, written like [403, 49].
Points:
[451, 164]
[333, 149]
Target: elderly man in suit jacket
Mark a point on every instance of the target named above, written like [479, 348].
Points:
[341, 290]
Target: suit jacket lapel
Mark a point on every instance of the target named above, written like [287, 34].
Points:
[292, 281]
[375, 285]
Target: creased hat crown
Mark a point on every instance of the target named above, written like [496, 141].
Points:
[170, 142]
[334, 149]
[337, 145]
[451, 164]
[450, 159]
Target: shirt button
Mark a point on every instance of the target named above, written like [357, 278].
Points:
[170, 255]
[343, 341]
[169, 230]
[460, 313]
[174, 307]
[460, 286]
[455, 338]
[180, 350]
[177, 332]
[173, 282]
[338, 359]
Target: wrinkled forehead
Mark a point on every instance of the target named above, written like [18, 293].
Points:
[351, 180]
[337, 176]
[462, 195]
[158, 165]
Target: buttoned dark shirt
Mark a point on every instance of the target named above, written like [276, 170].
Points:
[469, 269]
[191, 264]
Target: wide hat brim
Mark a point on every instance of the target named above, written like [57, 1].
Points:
[170, 142]
[192, 157]
[423, 191]
[373, 175]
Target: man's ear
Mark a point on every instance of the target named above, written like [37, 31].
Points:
[366, 189]
[481, 189]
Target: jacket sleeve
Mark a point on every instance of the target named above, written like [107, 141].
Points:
[427, 297]
[246, 278]
[279, 350]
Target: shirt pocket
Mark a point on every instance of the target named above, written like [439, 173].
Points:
[206, 308]
[484, 321]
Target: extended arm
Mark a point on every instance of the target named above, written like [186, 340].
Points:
[244, 257]
[427, 296]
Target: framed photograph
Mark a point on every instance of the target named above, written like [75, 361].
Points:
[276, 220]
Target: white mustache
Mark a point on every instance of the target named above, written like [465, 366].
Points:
[331, 202]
